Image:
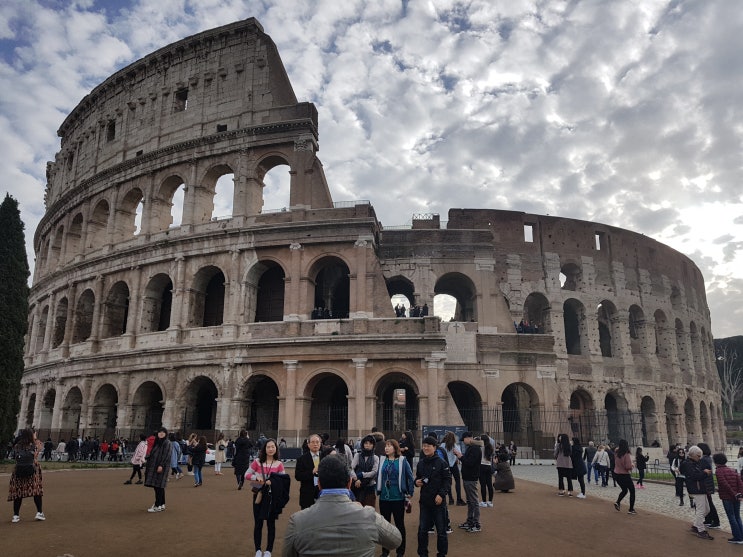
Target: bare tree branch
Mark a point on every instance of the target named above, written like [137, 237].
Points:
[731, 378]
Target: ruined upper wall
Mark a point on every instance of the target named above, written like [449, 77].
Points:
[221, 80]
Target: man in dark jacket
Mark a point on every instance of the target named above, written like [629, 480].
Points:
[471, 479]
[305, 471]
[433, 477]
[699, 484]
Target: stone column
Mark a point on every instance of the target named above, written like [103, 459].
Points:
[70, 318]
[49, 323]
[40, 392]
[135, 311]
[360, 397]
[97, 321]
[435, 363]
[359, 307]
[86, 406]
[179, 295]
[57, 410]
[294, 309]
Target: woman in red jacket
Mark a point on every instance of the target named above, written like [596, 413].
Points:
[730, 490]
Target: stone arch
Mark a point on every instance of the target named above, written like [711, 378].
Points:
[576, 333]
[266, 281]
[401, 286]
[706, 344]
[460, 287]
[127, 213]
[468, 403]
[157, 304]
[571, 277]
[681, 346]
[163, 207]
[673, 421]
[331, 278]
[207, 297]
[47, 409]
[73, 242]
[520, 414]
[704, 422]
[609, 339]
[637, 332]
[60, 322]
[103, 412]
[30, 410]
[204, 197]
[71, 409]
[41, 330]
[83, 325]
[116, 310]
[649, 422]
[397, 403]
[96, 234]
[663, 343]
[696, 364]
[583, 419]
[690, 421]
[260, 405]
[328, 409]
[55, 248]
[537, 312]
[147, 408]
[619, 424]
[275, 189]
[200, 411]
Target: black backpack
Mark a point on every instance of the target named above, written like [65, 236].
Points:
[24, 463]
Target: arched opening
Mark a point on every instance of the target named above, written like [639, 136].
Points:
[444, 307]
[681, 347]
[571, 277]
[70, 419]
[104, 412]
[463, 290]
[60, 322]
[74, 236]
[650, 425]
[147, 408]
[332, 288]
[269, 304]
[98, 225]
[696, 364]
[128, 215]
[520, 402]
[41, 330]
[536, 314]
[116, 310]
[636, 324]
[276, 185]
[619, 420]
[397, 404]
[402, 295]
[673, 422]
[329, 406]
[30, 410]
[55, 249]
[157, 304]
[207, 298]
[704, 421]
[582, 418]
[662, 341]
[606, 318]
[468, 403]
[261, 406]
[200, 412]
[47, 409]
[224, 194]
[574, 317]
[690, 420]
[166, 210]
[676, 298]
[83, 317]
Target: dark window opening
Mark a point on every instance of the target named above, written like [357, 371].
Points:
[181, 100]
[111, 130]
[221, 128]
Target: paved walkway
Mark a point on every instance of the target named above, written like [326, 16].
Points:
[656, 497]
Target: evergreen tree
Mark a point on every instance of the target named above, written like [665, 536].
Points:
[13, 313]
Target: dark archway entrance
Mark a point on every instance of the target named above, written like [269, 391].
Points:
[329, 406]
[201, 405]
[397, 404]
[332, 288]
[519, 405]
[468, 403]
[147, 408]
[262, 406]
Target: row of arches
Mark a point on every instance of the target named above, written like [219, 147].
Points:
[118, 216]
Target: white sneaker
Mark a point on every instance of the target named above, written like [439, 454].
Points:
[40, 516]
[482, 504]
[259, 553]
[581, 496]
[266, 554]
[16, 518]
[490, 503]
[155, 509]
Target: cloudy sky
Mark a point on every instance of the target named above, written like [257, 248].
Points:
[624, 112]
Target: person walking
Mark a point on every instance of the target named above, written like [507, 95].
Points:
[641, 462]
[433, 478]
[564, 462]
[730, 490]
[601, 465]
[622, 475]
[26, 480]
[175, 457]
[241, 458]
[679, 479]
[699, 481]
[220, 456]
[158, 466]
[588, 453]
[395, 486]
[198, 459]
[712, 520]
[579, 466]
[138, 460]
[267, 463]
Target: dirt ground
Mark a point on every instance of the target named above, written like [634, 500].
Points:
[90, 513]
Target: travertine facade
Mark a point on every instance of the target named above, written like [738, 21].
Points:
[209, 324]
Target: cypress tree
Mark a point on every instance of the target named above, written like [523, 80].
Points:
[13, 313]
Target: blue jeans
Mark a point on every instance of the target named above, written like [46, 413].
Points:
[588, 468]
[732, 509]
[196, 474]
[433, 515]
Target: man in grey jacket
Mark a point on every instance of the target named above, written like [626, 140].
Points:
[335, 525]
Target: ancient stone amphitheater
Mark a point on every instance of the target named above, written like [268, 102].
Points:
[146, 311]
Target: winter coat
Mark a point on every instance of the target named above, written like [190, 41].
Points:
[220, 454]
[729, 483]
[198, 455]
[275, 497]
[436, 478]
[563, 460]
[503, 480]
[697, 480]
[241, 458]
[576, 457]
[623, 464]
[139, 453]
[471, 461]
[405, 480]
[159, 457]
[642, 462]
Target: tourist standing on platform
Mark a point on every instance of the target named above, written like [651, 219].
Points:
[622, 475]
[158, 467]
[26, 480]
[564, 462]
[395, 486]
[138, 459]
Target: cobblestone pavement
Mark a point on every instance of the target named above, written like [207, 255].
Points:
[656, 497]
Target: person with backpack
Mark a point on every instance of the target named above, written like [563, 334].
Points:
[365, 467]
[26, 480]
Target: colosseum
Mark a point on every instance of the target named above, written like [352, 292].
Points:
[144, 311]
